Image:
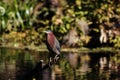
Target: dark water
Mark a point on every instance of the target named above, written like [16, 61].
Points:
[15, 64]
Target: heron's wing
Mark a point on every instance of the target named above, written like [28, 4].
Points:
[56, 46]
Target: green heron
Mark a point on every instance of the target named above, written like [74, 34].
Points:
[52, 45]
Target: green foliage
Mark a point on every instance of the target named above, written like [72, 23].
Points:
[116, 41]
[15, 15]
[20, 15]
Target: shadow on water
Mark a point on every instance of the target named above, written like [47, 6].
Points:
[26, 65]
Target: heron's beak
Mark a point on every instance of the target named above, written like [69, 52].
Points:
[44, 31]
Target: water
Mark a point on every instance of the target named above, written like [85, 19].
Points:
[16, 64]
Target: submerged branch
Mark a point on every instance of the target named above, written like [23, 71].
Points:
[37, 72]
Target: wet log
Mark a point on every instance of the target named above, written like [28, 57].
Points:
[37, 72]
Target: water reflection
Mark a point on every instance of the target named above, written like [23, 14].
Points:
[73, 61]
[16, 64]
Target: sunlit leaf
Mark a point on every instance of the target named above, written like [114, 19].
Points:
[68, 26]
[2, 10]
[3, 24]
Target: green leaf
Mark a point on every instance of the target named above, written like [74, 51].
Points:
[2, 11]
[68, 26]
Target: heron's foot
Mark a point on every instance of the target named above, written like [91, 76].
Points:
[56, 58]
[53, 60]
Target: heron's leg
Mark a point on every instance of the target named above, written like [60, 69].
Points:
[50, 61]
[56, 58]
[53, 60]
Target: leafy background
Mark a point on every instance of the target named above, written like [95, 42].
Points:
[22, 21]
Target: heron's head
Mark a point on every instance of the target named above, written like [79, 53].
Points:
[47, 31]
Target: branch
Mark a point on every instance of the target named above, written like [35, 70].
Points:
[37, 72]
